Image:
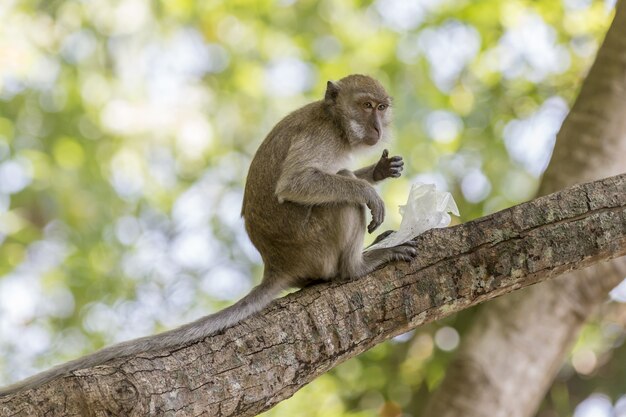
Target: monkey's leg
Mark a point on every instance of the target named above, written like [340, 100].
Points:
[353, 262]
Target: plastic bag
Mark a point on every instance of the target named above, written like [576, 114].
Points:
[425, 209]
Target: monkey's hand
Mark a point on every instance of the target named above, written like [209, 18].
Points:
[388, 167]
[376, 206]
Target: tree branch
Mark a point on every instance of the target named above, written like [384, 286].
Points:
[266, 358]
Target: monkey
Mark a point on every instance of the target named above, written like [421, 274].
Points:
[303, 210]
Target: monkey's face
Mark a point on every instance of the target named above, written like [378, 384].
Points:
[368, 118]
[363, 105]
[373, 118]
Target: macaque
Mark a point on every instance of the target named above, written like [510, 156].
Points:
[303, 209]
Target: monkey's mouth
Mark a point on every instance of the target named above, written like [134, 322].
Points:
[372, 139]
[374, 136]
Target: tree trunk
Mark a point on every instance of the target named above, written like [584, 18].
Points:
[252, 366]
[510, 355]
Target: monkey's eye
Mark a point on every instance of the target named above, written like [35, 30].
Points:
[382, 107]
[368, 105]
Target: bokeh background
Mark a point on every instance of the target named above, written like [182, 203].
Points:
[126, 130]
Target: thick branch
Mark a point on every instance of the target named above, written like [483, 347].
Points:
[265, 359]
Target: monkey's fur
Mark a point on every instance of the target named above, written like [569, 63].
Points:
[303, 211]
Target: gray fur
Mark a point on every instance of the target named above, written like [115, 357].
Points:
[303, 210]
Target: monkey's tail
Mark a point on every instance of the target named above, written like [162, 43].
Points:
[255, 301]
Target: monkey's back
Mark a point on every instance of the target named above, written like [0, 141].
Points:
[281, 230]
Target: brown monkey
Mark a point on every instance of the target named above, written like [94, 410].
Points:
[301, 203]
[303, 210]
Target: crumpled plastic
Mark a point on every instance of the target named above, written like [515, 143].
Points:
[425, 209]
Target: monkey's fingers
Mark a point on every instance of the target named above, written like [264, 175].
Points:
[396, 158]
[377, 208]
[395, 172]
[374, 223]
[385, 154]
[403, 253]
[377, 220]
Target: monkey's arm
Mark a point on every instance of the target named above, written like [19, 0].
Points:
[385, 167]
[311, 186]
[366, 173]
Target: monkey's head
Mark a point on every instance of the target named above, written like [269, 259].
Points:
[362, 107]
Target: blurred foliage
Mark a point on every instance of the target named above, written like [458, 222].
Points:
[126, 129]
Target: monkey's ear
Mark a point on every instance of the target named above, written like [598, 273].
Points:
[332, 91]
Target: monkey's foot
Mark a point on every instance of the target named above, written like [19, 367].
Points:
[405, 252]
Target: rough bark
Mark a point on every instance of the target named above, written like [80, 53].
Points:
[511, 354]
[266, 358]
